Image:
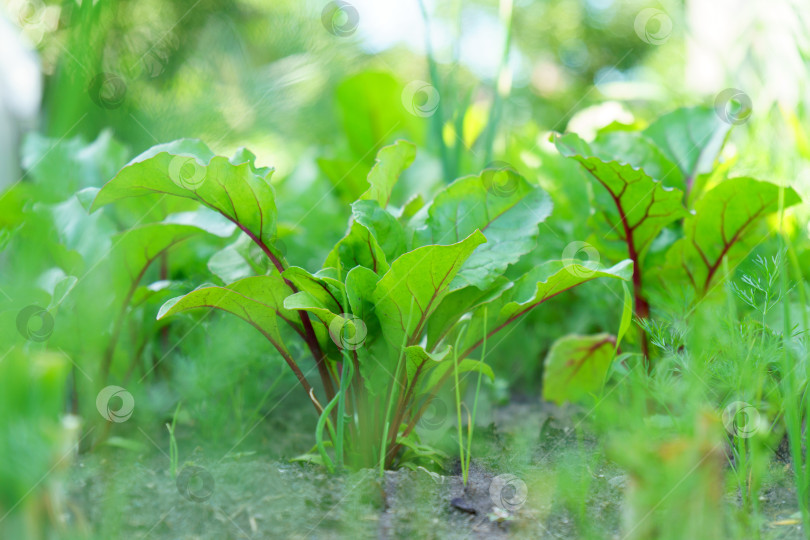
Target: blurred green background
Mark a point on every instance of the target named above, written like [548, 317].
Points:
[315, 92]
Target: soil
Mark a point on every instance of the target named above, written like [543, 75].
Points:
[520, 486]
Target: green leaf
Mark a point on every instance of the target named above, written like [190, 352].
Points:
[627, 314]
[411, 207]
[691, 137]
[358, 248]
[258, 300]
[643, 206]
[76, 163]
[532, 289]
[418, 359]
[459, 302]
[187, 168]
[576, 367]
[205, 219]
[641, 152]
[360, 284]
[391, 162]
[370, 107]
[317, 294]
[418, 281]
[501, 204]
[134, 250]
[383, 225]
[718, 228]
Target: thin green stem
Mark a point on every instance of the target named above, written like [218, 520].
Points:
[477, 391]
[458, 411]
[324, 421]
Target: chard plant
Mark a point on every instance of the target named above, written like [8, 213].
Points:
[665, 202]
[401, 303]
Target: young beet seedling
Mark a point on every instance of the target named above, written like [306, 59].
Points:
[647, 177]
[401, 301]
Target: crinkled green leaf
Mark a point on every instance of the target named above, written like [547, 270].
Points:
[643, 206]
[258, 300]
[576, 367]
[234, 187]
[391, 161]
[415, 285]
[722, 219]
[501, 204]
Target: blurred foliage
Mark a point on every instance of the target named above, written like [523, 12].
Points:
[121, 76]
